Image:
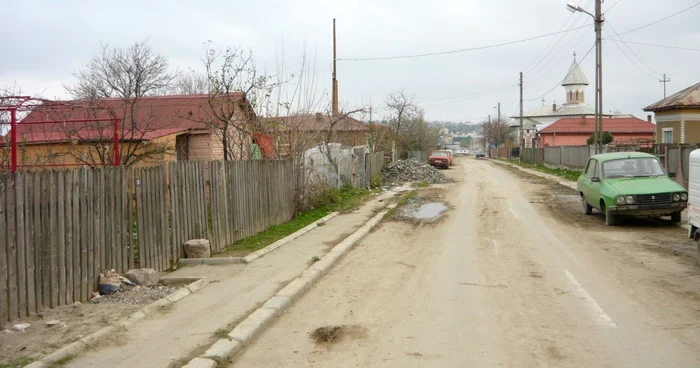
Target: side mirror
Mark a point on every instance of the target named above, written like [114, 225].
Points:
[595, 180]
[671, 175]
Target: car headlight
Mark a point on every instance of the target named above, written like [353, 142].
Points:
[676, 197]
[629, 200]
[620, 200]
[684, 197]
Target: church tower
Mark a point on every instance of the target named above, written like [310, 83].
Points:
[575, 84]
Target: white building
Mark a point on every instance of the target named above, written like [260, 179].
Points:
[536, 119]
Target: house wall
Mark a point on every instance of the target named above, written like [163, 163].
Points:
[685, 124]
[579, 139]
[675, 125]
[200, 147]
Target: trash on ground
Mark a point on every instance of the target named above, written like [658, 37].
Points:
[21, 327]
[403, 171]
[110, 282]
[52, 322]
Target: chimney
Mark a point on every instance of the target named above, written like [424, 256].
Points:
[554, 106]
[319, 116]
[649, 118]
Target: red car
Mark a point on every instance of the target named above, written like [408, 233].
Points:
[440, 159]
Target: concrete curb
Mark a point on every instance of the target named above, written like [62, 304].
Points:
[571, 185]
[75, 348]
[260, 253]
[254, 324]
[209, 261]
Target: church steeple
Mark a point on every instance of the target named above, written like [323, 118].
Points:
[575, 84]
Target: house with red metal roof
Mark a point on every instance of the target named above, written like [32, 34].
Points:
[575, 131]
[153, 130]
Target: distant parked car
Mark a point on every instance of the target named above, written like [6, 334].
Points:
[440, 159]
[480, 154]
[630, 184]
[450, 154]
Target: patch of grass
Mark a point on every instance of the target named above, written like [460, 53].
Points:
[63, 361]
[563, 173]
[22, 362]
[401, 202]
[421, 184]
[221, 333]
[314, 259]
[327, 200]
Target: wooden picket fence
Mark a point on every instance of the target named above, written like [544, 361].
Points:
[248, 197]
[60, 229]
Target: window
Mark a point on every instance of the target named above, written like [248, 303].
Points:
[667, 135]
[576, 95]
[633, 167]
[592, 168]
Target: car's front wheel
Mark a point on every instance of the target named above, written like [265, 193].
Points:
[587, 209]
[676, 217]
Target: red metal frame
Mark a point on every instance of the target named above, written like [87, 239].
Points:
[13, 104]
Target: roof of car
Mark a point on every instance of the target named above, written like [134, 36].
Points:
[620, 155]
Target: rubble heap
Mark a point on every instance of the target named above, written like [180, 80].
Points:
[403, 171]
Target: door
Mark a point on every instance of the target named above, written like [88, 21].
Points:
[594, 187]
[587, 183]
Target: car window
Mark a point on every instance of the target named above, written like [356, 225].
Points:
[591, 169]
[439, 154]
[633, 167]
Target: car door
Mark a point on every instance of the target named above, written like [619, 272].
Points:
[594, 185]
[587, 183]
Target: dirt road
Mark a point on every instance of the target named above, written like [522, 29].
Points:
[514, 276]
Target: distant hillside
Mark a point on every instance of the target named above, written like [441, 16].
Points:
[456, 127]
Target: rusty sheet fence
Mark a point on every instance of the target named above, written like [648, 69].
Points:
[58, 230]
[374, 164]
[421, 156]
[248, 197]
[534, 156]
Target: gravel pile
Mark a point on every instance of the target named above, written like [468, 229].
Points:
[404, 171]
[137, 295]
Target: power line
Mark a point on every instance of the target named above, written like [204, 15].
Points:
[630, 59]
[612, 6]
[467, 97]
[661, 46]
[562, 80]
[546, 48]
[632, 51]
[458, 51]
[662, 19]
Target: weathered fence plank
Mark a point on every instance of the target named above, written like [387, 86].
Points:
[4, 298]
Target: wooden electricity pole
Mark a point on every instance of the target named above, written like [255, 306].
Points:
[335, 79]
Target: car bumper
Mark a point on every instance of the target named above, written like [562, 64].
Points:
[649, 210]
[440, 164]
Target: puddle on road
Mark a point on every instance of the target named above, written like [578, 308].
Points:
[427, 211]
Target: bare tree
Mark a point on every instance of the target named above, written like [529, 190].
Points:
[128, 75]
[402, 107]
[190, 83]
[495, 133]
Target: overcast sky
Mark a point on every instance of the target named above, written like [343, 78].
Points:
[44, 42]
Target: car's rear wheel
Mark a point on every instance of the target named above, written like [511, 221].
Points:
[610, 218]
[587, 209]
[676, 217]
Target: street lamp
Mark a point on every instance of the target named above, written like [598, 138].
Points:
[598, 20]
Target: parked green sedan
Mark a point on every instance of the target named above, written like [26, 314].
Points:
[630, 184]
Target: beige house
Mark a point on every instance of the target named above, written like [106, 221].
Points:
[155, 130]
[678, 117]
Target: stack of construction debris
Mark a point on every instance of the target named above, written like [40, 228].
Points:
[404, 171]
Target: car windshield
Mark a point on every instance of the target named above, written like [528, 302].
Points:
[439, 154]
[632, 167]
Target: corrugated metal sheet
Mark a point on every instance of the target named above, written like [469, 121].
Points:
[687, 98]
[575, 76]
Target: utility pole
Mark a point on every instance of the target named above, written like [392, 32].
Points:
[599, 74]
[664, 82]
[522, 138]
[499, 112]
[335, 75]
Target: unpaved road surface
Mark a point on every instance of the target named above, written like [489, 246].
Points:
[513, 276]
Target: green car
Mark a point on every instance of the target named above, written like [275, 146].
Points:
[630, 184]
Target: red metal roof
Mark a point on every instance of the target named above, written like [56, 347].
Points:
[152, 117]
[612, 125]
[316, 122]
